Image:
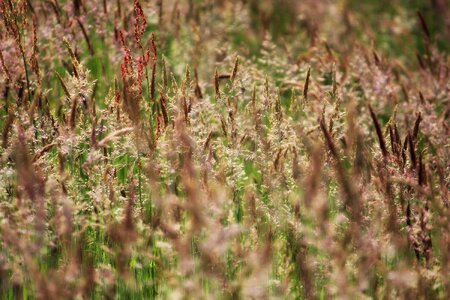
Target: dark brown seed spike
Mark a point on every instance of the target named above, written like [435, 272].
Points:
[421, 173]
[163, 108]
[185, 109]
[424, 25]
[420, 60]
[208, 140]
[330, 126]
[397, 135]
[416, 126]
[86, 37]
[397, 142]
[376, 58]
[277, 160]
[327, 47]
[63, 84]
[224, 76]
[93, 132]
[305, 89]
[216, 83]
[408, 214]
[235, 69]
[379, 133]
[412, 152]
[422, 99]
[73, 114]
[198, 91]
[405, 147]
[329, 140]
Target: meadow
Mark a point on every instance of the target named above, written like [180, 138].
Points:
[235, 149]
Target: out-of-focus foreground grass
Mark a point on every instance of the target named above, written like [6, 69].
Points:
[200, 149]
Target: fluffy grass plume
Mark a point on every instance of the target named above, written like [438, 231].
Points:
[235, 149]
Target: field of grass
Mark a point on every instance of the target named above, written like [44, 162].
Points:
[224, 149]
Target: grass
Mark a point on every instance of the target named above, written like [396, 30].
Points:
[224, 149]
